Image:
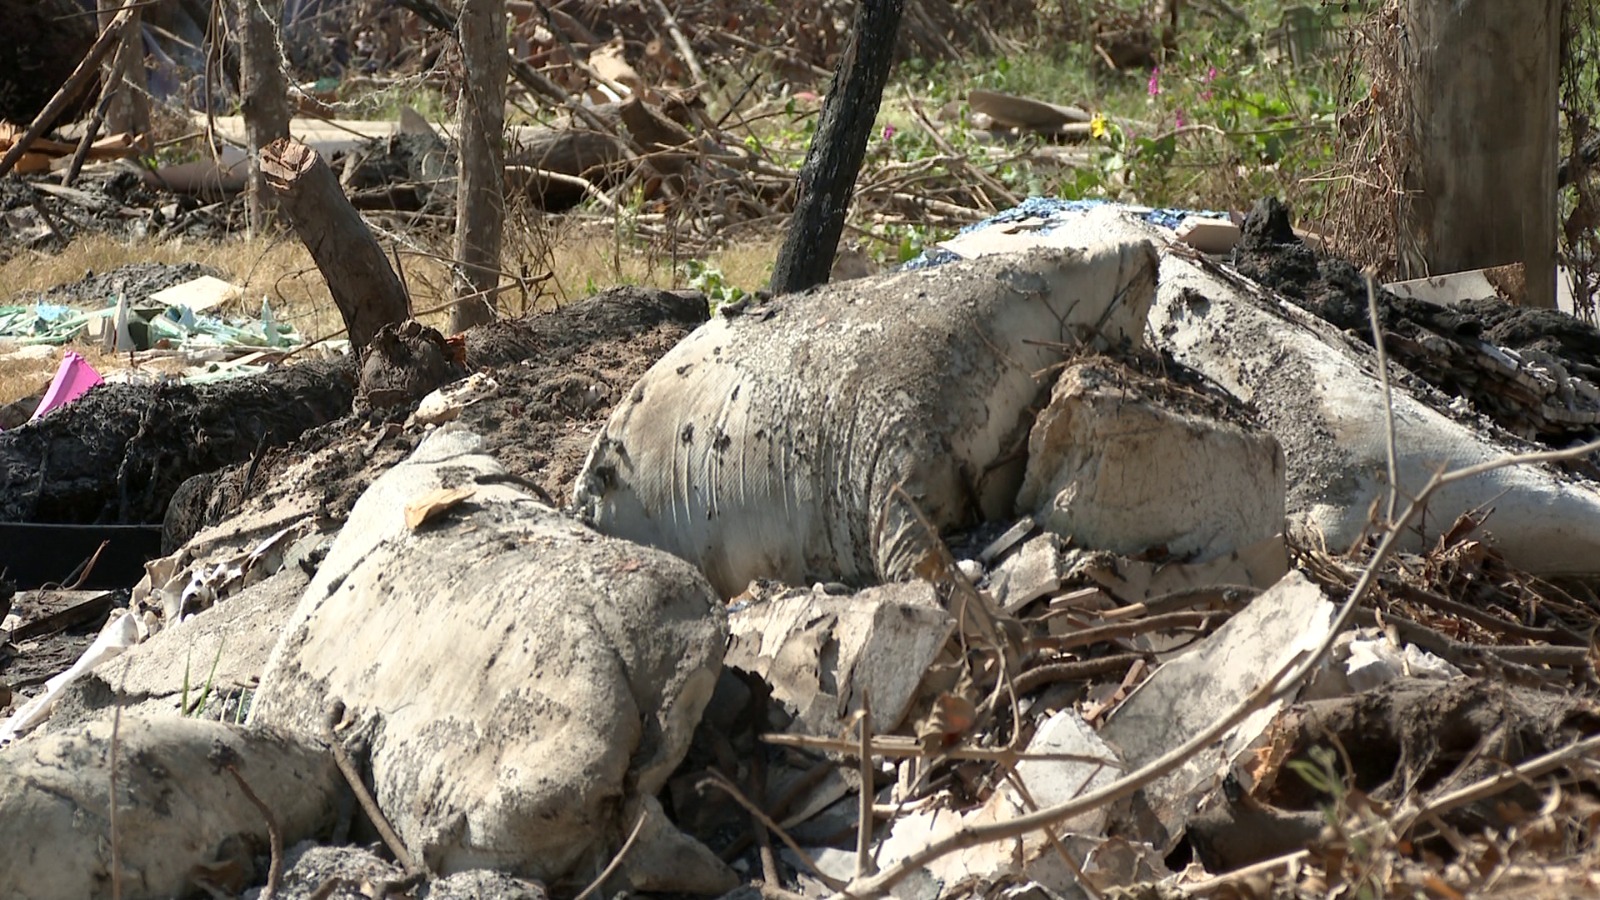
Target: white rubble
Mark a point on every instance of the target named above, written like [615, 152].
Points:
[1318, 393]
[769, 444]
[178, 806]
[524, 684]
[1117, 464]
[822, 653]
[1187, 694]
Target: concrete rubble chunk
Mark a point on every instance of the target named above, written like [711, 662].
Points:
[1107, 863]
[1260, 566]
[1043, 783]
[1126, 462]
[1188, 693]
[769, 442]
[1318, 394]
[523, 683]
[178, 808]
[1032, 571]
[821, 653]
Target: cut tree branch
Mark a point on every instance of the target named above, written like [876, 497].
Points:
[364, 287]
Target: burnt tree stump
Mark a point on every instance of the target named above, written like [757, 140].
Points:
[828, 177]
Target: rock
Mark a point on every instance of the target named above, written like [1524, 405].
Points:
[520, 680]
[1185, 695]
[338, 873]
[178, 808]
[1035, 570]
[820, 653]
[1052, 781]
[665, 859]
[1127, 462]
[481, 884]
[768, 443]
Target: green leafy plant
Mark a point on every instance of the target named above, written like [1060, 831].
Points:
[708, 280]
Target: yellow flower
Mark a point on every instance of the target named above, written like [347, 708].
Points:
[1097, 126]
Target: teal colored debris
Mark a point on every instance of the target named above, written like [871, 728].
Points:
[176, 327]
[42, 323]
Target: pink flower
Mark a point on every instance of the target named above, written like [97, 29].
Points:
[1155, 81]
[888, 132]
[1211, 74]
[1181, 121]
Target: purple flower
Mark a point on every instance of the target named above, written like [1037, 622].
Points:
[888, 132]
[1155, 81]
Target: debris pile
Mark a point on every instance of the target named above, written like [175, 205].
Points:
[1085, 570]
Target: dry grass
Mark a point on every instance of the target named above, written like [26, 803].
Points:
[579, 260]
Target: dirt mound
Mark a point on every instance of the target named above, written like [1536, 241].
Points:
[559, 374]
[1546, 392]
[117, 454]
[136, 281]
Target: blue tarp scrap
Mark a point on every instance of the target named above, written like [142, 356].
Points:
[1054, 212]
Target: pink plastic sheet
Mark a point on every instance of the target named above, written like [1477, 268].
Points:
[73, 379]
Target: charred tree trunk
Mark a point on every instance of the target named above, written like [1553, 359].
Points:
[480, 187]
[264, 95]
[368, 293]
[125, 84]
[1482, 78]
[828, 177]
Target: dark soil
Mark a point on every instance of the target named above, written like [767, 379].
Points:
[135, 280]
[116, 202]
[117, 454]
[559, 375]
[1442, 345]
[44, 41]
[403, 363]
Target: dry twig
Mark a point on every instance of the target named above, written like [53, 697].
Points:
[1285, 681]
[616, 861]
[274, 835]
[370, 806]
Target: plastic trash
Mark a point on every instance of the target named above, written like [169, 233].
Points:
[73, 379]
